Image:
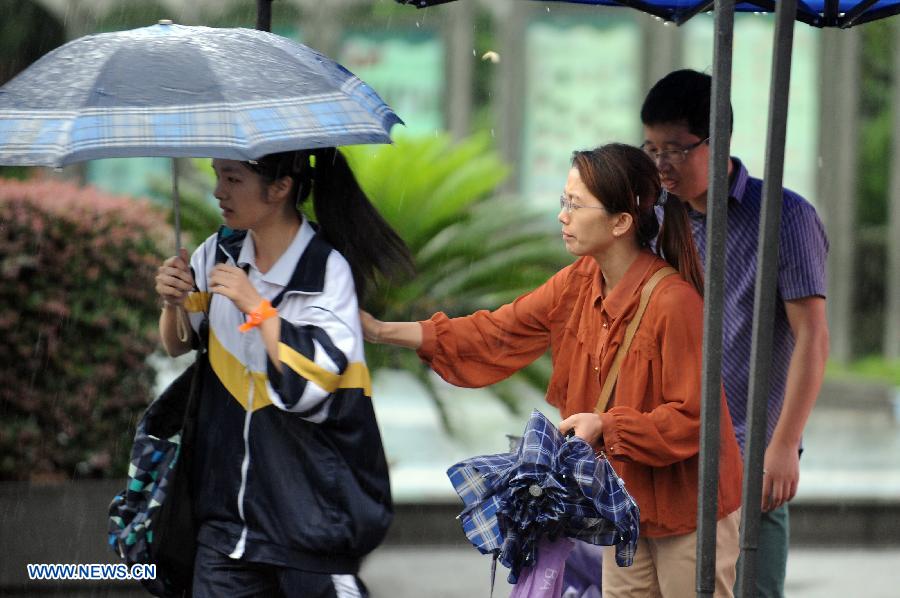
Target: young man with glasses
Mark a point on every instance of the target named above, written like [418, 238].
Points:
[675, 117]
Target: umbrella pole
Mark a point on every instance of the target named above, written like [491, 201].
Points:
[182, 327]
[264, 15]
[176, 207]
[714, 287]
[764, 296]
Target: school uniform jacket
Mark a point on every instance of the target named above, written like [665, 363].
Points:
[289, 467]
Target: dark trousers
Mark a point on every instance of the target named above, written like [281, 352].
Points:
[216, 575]
[771, 562]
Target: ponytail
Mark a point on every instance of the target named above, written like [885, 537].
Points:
[346, 217]
[352, 225]
[676, 242]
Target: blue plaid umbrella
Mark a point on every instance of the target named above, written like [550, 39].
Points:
[551, 486]
[177, 91]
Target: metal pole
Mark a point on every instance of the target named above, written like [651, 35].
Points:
[264, 15]
[764, 296]
[714, 287]
[176, 206]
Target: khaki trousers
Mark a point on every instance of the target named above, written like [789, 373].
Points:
[667, 567]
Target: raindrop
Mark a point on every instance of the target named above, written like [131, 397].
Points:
[666, 23]
[473, 53]
[492, 133]
[417, 24]
[548, 9]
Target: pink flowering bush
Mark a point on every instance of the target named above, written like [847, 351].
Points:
[77, 322]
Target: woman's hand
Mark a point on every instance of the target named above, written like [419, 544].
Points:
[174, 280]
[232, 282]
[587, 426]
[371, 327]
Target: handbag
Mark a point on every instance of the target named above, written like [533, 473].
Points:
[152, 520]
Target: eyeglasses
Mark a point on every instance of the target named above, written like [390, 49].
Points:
[672, 156]
[569, 206]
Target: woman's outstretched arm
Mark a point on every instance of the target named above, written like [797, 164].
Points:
[403, 334]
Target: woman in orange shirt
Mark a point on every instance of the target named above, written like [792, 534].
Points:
[651, 428]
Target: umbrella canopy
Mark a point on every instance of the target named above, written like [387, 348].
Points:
[818, 13]
[178, 91]
[550, 487]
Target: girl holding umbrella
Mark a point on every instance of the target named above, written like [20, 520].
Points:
[290, 483]
[650, 430]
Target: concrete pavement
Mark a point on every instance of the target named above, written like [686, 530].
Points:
[461, 572]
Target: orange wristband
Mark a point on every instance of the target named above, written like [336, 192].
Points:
[263, 312]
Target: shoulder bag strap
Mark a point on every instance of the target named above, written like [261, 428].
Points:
[610, 383]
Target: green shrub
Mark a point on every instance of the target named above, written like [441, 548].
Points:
[77, 321]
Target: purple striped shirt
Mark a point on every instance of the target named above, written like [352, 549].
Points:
[801, 273]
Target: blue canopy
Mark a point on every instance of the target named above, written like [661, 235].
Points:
[818, 13]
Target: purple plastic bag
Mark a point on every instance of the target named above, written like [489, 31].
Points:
[583, 571]
[545, 578]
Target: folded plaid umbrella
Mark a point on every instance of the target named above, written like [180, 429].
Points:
[550, 487]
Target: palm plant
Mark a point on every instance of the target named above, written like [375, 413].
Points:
[472, 249]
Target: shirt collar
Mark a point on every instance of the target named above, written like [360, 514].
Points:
[623, 295]
[739, 178]
[737, 185]
[280, 273]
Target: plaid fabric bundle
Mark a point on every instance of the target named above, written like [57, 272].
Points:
[133, 511]
[550, 487]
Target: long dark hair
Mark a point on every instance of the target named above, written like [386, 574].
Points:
[624, 179]
[345, 216]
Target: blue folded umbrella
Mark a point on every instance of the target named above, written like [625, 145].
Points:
[551, 486]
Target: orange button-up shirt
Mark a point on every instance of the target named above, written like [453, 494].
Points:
[651, 429]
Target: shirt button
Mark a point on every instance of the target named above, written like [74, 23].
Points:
[596, 369]
[604, 325]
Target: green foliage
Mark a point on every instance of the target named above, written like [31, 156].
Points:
[876, 75]
[876, 80]
[472, 250]
[873, 368]
[77, 321]
[870, 289]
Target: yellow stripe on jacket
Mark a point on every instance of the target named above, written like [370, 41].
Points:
[236, 378]
[355, 376]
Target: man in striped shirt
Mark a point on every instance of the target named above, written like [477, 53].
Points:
[675, 115]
